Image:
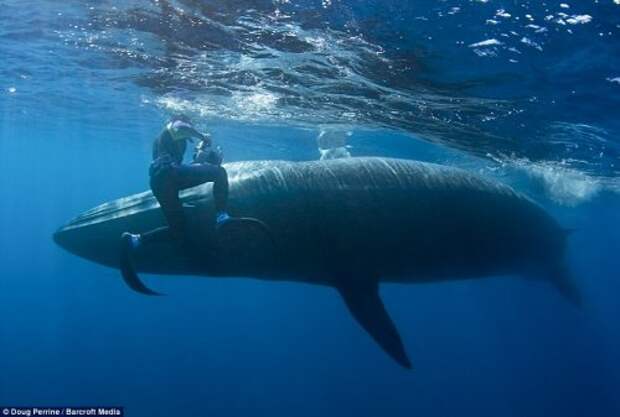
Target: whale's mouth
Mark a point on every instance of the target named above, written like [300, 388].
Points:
[94, 234]
[96, 242]
[60, 238]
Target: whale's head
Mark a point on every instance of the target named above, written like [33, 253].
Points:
[95, 234]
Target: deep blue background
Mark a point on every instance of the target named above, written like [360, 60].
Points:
[72, 333]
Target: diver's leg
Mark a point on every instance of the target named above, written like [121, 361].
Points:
[163, 189]
[166, 191]
[196, 174]
[220, 189]
[130, 242]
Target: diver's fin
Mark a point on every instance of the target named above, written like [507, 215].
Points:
[366, 306]
[127, 270]
[561, 278]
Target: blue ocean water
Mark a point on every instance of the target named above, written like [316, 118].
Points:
[523, 92]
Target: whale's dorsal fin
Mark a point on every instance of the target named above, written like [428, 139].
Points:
[364, 302]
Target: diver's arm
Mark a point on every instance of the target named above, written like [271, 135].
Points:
[191, 132]
[180, 130]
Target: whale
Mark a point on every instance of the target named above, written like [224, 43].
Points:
[351, 224]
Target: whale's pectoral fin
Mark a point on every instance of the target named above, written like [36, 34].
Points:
[249, 227]
[244, 239]
[367, 307]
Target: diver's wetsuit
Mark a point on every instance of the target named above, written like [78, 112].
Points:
[169, 176]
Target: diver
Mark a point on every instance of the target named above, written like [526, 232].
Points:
[169, 175]
[332, 144]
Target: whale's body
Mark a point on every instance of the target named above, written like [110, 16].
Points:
[348, 223]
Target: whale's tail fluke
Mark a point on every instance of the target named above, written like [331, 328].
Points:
[364, 303]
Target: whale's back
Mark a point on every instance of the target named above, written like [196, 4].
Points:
[404, 219]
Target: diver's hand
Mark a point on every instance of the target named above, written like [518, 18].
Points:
[206, 138]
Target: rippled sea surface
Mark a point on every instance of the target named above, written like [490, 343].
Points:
[522, 91]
